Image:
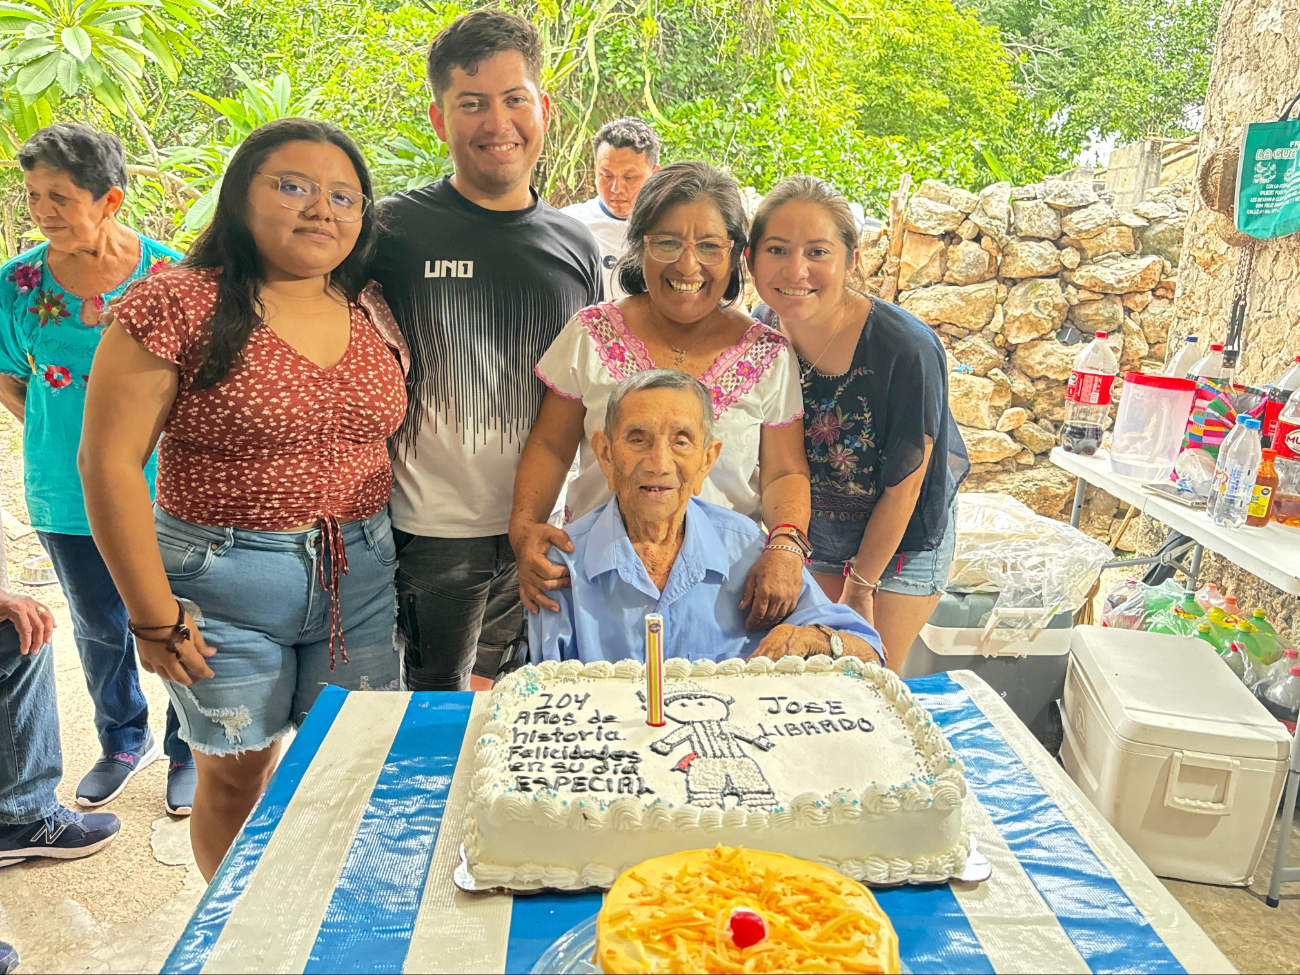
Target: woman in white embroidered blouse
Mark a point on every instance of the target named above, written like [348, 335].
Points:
[686, 237]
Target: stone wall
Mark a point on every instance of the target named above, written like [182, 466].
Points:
[1001, 275]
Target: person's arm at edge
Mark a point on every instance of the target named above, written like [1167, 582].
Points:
[128, 398]
[551, 633]
[545, 461]
[786, 487]
[13, 396]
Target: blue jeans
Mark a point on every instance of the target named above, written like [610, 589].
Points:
[31, 757]
[257, 599]
[107, 648]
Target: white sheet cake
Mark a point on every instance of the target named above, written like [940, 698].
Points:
[832, 761]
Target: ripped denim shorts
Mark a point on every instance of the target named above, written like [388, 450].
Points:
[261, 606]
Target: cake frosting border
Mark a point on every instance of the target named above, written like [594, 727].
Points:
[492, 795]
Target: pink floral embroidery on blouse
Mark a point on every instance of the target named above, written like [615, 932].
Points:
[733, 374]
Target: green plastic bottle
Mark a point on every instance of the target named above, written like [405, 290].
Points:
[1203, 633]
[1223, 628]
[1175, 620]
[1265, 639]
[1190, 605]
[1246, 637]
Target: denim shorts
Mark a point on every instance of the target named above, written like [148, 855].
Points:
[261, 606]
[908, 573]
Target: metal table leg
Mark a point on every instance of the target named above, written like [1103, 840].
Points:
[1195, 571]
[1077, 510]
[1282, 874]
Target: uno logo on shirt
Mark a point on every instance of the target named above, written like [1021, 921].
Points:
[448, 269]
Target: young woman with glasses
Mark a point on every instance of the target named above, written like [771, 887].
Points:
[683, 273]
[275, 379]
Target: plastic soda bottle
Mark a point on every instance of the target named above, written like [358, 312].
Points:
[1282, 698]
[1203, 633]
[1281, 668]
[1175, 620]
[1278, 394]
[1261, 498]
[1087, 397]
[1190, 605]
[1230, 605]
[1235, 661]
[1265, 637]
[1246, 637]
[1210, 366]
[1286, 441]
[1234, 474]
[1186, 357]
[1209, 597]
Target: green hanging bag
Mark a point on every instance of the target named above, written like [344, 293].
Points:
[1268, 177]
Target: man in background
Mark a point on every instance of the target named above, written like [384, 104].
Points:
[627, 152]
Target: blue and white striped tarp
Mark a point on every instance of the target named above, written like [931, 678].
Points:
[345, 865]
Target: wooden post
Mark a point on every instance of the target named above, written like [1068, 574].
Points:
[897, 208]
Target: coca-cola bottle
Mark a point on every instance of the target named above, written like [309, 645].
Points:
[1087, 397]
[1278, 394]
[1286, 441]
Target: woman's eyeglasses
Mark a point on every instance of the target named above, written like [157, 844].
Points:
[667, 249]
[300, 193]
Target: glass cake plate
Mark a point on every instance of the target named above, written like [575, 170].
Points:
[574, 952]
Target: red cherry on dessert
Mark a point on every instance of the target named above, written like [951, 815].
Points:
[747, 927]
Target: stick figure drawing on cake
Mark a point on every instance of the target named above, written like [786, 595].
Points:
[717, 765]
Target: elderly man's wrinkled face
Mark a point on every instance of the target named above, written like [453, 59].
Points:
[658, 457]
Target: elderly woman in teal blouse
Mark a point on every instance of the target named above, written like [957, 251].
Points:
[656, 548]
[51, 298]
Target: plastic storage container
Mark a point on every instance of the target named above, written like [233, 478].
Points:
[1149, 426]
[1173, 751]
[1029, 674]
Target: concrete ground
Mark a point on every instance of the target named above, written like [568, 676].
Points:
[123, 909]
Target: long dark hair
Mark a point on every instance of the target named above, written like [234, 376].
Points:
[227, 245]
[684, 182]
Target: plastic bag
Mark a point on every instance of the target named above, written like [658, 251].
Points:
[1143, 602]
[1038, 567]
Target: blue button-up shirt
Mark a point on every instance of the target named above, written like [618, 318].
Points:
[602, 614]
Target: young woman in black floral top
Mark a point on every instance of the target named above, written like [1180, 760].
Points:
[884, 452]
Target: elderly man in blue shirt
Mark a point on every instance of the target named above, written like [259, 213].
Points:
[656, 548]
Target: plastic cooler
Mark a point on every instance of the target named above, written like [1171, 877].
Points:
[1029, 674]
[1149, 425]
[1173, 751]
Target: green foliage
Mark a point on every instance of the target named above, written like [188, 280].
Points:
[52, 49]
[856, 91]
[1108, 68]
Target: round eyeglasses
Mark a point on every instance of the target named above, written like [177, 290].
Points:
[667, 249]
[300, 193]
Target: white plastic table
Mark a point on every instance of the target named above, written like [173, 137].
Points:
[1272, 553]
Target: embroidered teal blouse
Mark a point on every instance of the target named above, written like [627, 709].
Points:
[44, 341]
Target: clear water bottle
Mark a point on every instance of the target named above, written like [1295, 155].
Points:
[1210, 366]
[1184, 359]
[1087, 397]
[1234, 474]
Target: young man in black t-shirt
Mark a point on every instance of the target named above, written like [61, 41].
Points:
[481, 275]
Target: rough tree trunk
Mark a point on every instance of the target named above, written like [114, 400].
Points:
[1256, 71]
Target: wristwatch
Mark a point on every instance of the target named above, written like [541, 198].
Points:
[794, 534]
[837, 643]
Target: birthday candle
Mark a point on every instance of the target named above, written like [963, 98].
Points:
[654, 670]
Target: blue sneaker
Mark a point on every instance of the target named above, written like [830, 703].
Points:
[109, 776]
[66, 835]
[8, 958]
[182, 777]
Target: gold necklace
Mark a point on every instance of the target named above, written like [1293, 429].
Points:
[805, 373]
[679, 354]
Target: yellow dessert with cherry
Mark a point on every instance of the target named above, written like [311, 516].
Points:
[738, 910]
